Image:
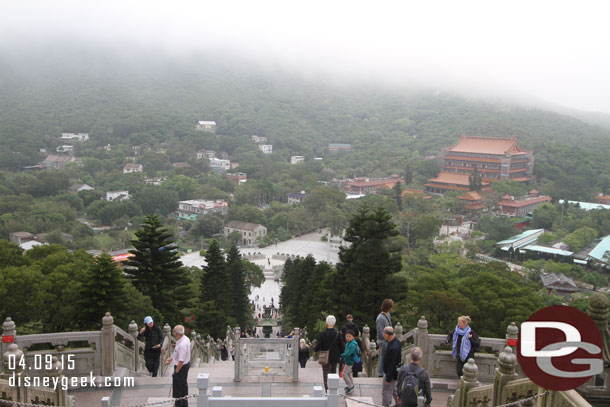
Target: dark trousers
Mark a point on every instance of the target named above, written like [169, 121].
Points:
[303, 362]
[180, 385]
[326, 369]
[152, 364]
[459, 366]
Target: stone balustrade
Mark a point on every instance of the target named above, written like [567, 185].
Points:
[104, 352]
[260, 357]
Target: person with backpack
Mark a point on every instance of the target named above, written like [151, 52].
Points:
[413, 380]
[465, 343]
[350, 356]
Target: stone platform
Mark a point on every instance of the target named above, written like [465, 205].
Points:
[149, 389]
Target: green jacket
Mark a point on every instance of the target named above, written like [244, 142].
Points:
[351, 350]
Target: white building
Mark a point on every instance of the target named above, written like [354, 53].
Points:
[65, 149]
[220, 165]
[257, 139]
[205, 125]
[74, 136]
[296, 159]
[251, 233]
[192, 208]
[296, 197]
[209, 154]
[117, 195]
[76, 188]
[266, 148]
[131, 167]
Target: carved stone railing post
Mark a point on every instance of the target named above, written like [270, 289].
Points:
[469, 380]
[166, 348]
[505, 372]
[421, 340]
[295, 355]
[133, 331]
[8, 329]
[512, 335]
[56, 371]
[398, 330]
[14, 355]
[599, 308]
[108, 356]
[238, 355]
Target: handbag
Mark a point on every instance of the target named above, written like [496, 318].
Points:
[323, 355]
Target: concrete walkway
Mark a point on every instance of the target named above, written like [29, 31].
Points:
[148, 389]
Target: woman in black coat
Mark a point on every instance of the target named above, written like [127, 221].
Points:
[330, 339]
[465, 342]
[303, 352]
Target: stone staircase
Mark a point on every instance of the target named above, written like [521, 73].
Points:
[149, 389]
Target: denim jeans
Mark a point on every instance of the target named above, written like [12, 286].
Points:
[383, 346]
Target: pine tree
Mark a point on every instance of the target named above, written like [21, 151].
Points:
[156, 270]
[408, 175]
[216, 295]
[397, 192]
[103, 290]
[240, 307]
[362, 281]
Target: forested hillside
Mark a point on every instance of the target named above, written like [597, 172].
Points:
[152, 98]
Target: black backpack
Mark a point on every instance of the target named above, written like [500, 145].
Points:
[409, 388]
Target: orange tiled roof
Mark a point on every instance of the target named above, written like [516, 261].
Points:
[470, 196]
[487, 145]
[453, 178]
[524, 202]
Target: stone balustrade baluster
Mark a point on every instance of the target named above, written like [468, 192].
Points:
[469, 380]
[8, 329]
[108, 353]
[132, 329]
[421, 340]
[505, 372]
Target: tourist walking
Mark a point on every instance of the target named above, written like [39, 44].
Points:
[350, 325]
[413, 380]
[391, 361]
[152, 349]
[383, 319]
[330, 347]
[303, 352]
[181, 359]
[350, 356]
[465, 343]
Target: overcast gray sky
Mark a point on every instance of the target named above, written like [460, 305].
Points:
[558, 51]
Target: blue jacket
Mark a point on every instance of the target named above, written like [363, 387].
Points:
[351, 350]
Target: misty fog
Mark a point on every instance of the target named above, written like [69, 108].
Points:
[540, 53]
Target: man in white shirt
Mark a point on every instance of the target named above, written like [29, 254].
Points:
[182, 362]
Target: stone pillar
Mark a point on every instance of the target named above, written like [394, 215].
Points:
[11, 358]
[505, 372]
[238, 355]
[332, 396]
[56, 371]
[133, 331]
[8, 329]
[599, 308]
[108, 356]
[512, 335]
[398, 330]
[469, 380]
[295, 355]
[421, 340]
[203, 383]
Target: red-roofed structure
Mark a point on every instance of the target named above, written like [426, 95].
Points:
[369, 185]
[449, 181]
[496, 159]
[523, 205]
[472, 200]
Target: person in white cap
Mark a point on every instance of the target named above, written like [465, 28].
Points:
[152, 349]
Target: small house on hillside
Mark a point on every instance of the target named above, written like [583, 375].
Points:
[76, 188]
[132, 167]
[251, 233]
